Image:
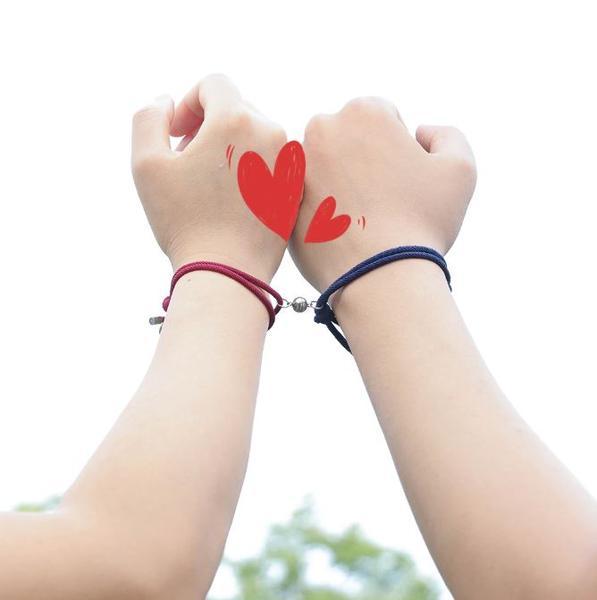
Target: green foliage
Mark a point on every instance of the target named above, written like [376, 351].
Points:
[367, 571]
[45, 506]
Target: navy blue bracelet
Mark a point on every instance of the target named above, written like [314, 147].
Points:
[323, 311]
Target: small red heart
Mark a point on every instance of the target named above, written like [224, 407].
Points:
[324, 227]
[274, 198]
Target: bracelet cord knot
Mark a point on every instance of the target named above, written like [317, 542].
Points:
[253, 284]
[324, 314]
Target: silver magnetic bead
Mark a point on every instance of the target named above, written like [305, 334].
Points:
[299, 305]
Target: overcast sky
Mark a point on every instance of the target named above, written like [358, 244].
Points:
[81, 272]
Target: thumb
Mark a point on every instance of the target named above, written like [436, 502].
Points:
[151, 126]
[447, 141]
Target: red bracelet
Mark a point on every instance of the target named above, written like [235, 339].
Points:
[254, 285]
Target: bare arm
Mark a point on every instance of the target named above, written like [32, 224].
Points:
[149, 515]
[501, 516]
[153, 507]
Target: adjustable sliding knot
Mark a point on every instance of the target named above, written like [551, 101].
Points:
[324, 314]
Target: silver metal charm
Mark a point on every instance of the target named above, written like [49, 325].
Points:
[299, 304]
[156, 320]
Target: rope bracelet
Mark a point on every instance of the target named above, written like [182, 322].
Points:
[323, 311]
[254, 285]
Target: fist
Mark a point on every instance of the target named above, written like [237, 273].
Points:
[410, 191]
[190, 194]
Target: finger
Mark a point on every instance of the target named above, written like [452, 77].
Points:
[211, 94]
[186, 140]
[151, 126]
[447, 141]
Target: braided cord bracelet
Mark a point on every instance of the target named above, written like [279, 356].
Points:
[254, 285]
[323, 311]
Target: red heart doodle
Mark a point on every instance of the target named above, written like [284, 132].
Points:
[324, 227]
[274, 198]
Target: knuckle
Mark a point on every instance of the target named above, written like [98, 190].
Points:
[237, 119]
[467, 169]
[453, 131]
[145, 114]
[368, 105]
[316, 126]
[216, 78]
[278, 135]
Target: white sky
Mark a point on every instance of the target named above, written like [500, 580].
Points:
[81, 272]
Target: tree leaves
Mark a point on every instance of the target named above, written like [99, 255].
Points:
[358, 568]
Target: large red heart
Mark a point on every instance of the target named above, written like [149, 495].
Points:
[274, 198]
[324, 227]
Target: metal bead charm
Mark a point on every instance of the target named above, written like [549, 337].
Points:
[299, 305]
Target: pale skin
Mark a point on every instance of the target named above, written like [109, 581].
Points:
[149, 515]
[501, 516]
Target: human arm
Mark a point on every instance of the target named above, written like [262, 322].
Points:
[501, 516]
[149, 515]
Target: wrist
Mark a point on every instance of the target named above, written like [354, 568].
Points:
[344, 258]
[260, 268]
[201, 296]
[384, 290]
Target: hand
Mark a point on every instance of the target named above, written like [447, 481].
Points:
[409, 191]
[190, 194]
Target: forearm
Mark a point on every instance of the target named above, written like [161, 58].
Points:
[66, 555]
[490, 499]
[149, 515]
[169, 474]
